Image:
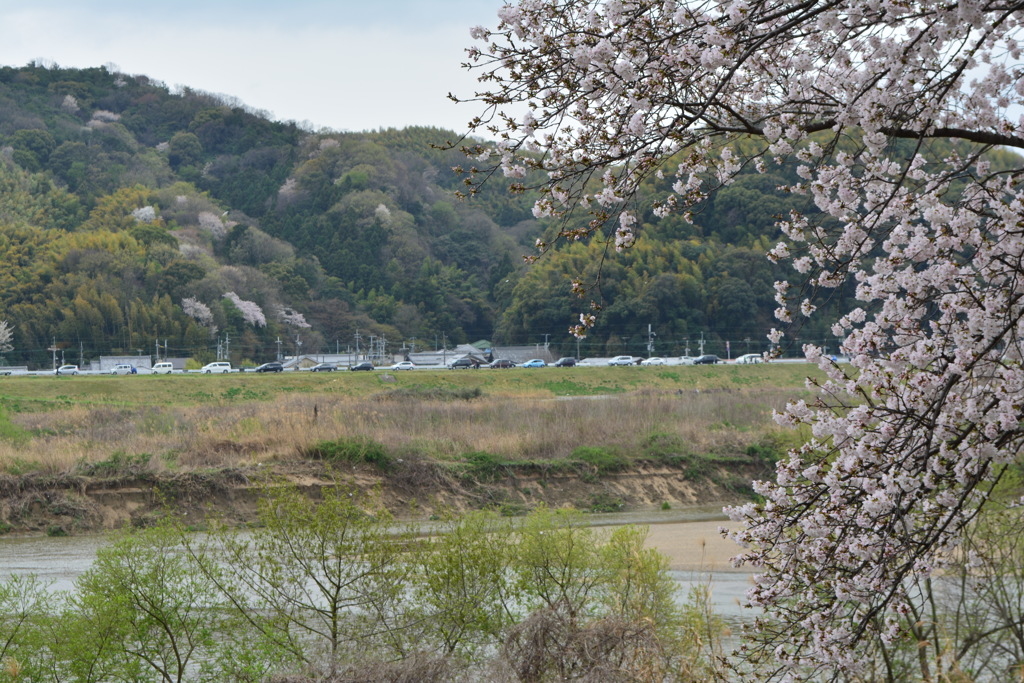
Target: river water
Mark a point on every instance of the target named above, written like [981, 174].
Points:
[688, 536]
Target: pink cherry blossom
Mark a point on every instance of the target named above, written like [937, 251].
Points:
[908, 437]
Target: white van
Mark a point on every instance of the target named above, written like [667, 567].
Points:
[123, 369]
[217, 366]
[163, 368]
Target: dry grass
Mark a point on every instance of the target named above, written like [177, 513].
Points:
[516, 428]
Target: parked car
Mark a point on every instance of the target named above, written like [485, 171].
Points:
[707, 359]
[687, 360]
[749, 358]
[501, 363]
[272, 366]
[325, 367]
[622, 360]
[67, 370]
[404, 365]
[216, 366]
[567, 362]
[653, 360]
[534, 363]
[364, 365]
[163, 368]
[124, 369]
[464, 363]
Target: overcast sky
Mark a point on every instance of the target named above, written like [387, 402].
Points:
[342, 64]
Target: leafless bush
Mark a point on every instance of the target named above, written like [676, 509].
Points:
[551, 645]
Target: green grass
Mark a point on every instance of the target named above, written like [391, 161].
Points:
[45, 393]
[352, 450]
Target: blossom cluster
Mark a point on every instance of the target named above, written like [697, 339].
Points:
[292, 318]
[6, 336]
[886, 109]
[251, 312]
[197, 310]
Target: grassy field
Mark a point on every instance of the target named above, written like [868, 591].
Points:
[187, 422]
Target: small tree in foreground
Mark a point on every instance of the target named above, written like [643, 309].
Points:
[889, 111]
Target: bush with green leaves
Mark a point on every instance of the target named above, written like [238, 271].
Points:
[601, 458]
[321, 588]
[352, 450]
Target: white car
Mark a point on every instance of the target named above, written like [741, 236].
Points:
[123, 369]
[66, 370]
[749, 358]
[216, 366]
[653, 360]
[404, 365]
[687, 360]
[163, 368]
[622, 360]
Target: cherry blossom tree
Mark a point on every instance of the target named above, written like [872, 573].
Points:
[252, 314]
[196, 309]
[889, 110]
[292, 318]
[6, 336]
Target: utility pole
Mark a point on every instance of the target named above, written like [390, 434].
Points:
[53, 347]
[650, 340]
[546, 341]
[227, 346]
[81, 355]
[298, 345]
[358, 337]
[278, 342]
[700, 344]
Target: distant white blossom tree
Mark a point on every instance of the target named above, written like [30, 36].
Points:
[213, 223]
[292, 318]
[251, 311]
[886, 108]
[6, 337]
[145, 214]
[196, 309]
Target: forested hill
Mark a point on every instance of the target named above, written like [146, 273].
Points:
[119, 200]
[131, 215]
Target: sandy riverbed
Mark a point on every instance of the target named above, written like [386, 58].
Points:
[694, 546]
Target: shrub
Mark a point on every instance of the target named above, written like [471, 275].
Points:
[661, 446]
[605, 502]
[352, 450]
[11, 432]
[484, 466]
[118, 464]
[769, 450]
[600, 458]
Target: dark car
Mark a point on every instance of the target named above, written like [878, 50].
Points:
[707, 359]
[565, 362]
[465, 363]
[501, 363]
[324, 367]
[365, 365]
[270, 367]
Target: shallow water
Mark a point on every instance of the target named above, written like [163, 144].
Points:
[59, 561]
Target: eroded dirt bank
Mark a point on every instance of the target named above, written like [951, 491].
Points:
[76, 504]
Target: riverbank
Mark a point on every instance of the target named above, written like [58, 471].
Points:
[418, 491]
